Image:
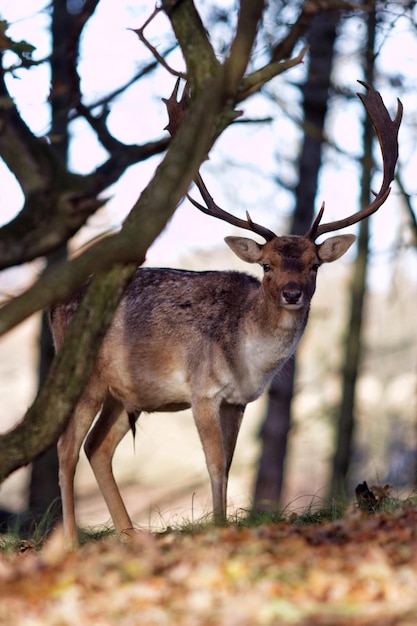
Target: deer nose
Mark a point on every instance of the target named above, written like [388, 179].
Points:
[292, 294]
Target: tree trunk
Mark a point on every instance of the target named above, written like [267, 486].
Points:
[412, 222]
[353, 344]
[44, 492]
[274, 432]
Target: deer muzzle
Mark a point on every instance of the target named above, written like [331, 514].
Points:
[292, 296]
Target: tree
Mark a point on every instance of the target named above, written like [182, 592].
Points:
[274, 434]
[58, 202]
[44, 488]
[353, 344]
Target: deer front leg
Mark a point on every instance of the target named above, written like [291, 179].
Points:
[231, 416]
[207, 419]
[110, 428]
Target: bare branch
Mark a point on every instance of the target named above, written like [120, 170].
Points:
[254, 81]
[144, 223]
[213, 89]
[141, 34]
[28, 157]
[199, 56]
[105, 100]
[235, 65]
[73, 43]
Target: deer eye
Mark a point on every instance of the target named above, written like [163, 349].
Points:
[266, 267]
[315, 267]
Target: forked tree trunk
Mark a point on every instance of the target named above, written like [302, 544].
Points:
[274, 432]
[353, 344]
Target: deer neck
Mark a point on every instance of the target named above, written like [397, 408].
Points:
[267, 341]
[274, 330]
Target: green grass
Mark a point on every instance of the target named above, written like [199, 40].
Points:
[94, 534]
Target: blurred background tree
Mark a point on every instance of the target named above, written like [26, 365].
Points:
[320, 36]
[325, 36]
[345, 424]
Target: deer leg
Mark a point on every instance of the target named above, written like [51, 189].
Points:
[230, 421]
[110, 428]
[69, 445]
[206, 417]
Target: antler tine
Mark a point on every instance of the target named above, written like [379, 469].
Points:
[215, 211]
[387, 132]
[176, 108]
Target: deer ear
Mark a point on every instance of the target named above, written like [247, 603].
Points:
[246, 249]
[335, 247]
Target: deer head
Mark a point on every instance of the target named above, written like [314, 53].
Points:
[301, 256]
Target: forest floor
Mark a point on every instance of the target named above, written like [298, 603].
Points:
[359, 570]
[304, 570]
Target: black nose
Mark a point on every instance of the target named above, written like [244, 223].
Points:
[292, 293]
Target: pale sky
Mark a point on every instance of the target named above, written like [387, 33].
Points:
[234, 173]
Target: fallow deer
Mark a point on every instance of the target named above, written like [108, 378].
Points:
[208, 340]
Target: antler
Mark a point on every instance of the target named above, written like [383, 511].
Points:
[176, 110]
[387, 132]
[215, 211]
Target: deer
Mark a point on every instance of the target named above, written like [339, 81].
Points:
[206, 340]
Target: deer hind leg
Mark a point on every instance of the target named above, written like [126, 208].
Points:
[110, 428]
[69, 445]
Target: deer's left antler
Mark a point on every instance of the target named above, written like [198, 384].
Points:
[387, 132]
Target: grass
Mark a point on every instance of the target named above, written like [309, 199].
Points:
[23, 531]
[16, 538]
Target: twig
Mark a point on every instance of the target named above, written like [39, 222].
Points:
[151, 48]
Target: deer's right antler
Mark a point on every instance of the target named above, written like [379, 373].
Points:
[176, 109]
[387, 132]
